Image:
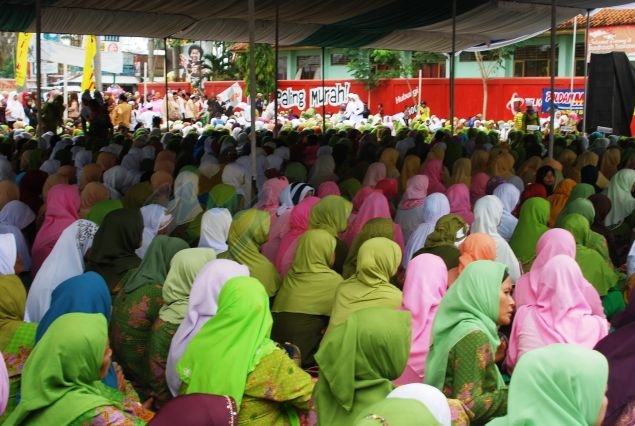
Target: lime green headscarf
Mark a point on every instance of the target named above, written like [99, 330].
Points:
[309, 286]
[594, 268]
[184, 267]
[331, 214]
[101, 208]
[532, 223]
[472, 303]
[577, 205]
[231, 344]
[446, 230]
[156, 263]
[398, 412]
[224, 196]
[249, 230]
[378, 227]
[595, 241]
[12, 305]
[377, 261]
[60, 379]
[559, 384]
[358, 361]
[350, 187]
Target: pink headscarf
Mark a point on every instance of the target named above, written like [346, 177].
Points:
[389, 187]
[459, 197]
[416, 192]
[202, 306]
[269, 197]
[478, 188]
[375, 173]
[561, 313]
[62, 209]
[433, 168]
[328, 188]
[4, 385]
[425, 285]
[375, 206]
[298, 225]
[360, 197]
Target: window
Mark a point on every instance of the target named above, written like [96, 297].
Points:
[579, 59]
[467, 57]
[307, 66]
[111, 38]
[282, 67]
[339, 59]
[533, 61]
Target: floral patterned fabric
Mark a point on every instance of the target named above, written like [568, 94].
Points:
[133, 315]
[472, 378]
[157, 352]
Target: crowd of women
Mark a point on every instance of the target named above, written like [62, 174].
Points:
[359, 278]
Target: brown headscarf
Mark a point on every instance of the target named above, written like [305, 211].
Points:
[9, 191]
[610, 162]
[480, 159]
[106, 160]
[164, 166]
[502, 164]
[411, 166]
[92, 193]
[90, 173]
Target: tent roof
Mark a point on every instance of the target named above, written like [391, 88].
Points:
[397, 24]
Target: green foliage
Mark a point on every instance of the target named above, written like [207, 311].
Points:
[265, 69]
[7, 70]
[220, 63]
[370, 66]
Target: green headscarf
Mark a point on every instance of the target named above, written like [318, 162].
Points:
[12, 305]
[113, 251]
[397, 412]
[137, 196]
[446, 230]
[471, 303]
[156, 263]
[224, 196]
[295, 172]
[331, 214]
[349, 188]
[101, 208]
[378, 227]
[559, 384]
[576, 203]
[60, 379]
[231, 344]
[377, 261]
[309, 286]
[581, 190]
[248, 231]
[184, 267]
[358, 361]
[532, 223]
[595, 241]
[595, 269]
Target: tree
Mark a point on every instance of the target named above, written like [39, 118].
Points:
[219, 63]
[370, 66]
[8, 43]
[265, 68]
[488, 63]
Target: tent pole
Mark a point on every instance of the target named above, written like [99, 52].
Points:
[165, 78]
[277, 54]
[452, 67]
[552, 72]
[252, 87]
[575, 30]
[323, 93]
[586, 68]
[38, 61]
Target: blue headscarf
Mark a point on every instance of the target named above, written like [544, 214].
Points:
[86, 293]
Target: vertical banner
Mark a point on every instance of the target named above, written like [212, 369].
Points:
[88, 81]
[21, 60]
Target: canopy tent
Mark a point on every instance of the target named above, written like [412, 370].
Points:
[397, 24]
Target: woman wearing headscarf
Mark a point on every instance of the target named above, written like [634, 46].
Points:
[595, 268]
[425, 285]
[233, 355]
[298, 225]
[390, 157]
[459, 197]
[397, 411]
[9, 191]
[595, 241]
[461, 361]
[377, 261]
[502, 164]
[621, 217]
[90, 173]
[532, 223]
[358, 361]
[375, 206]
[202, 306]
[16, 337]
[558, 384]
[430, 397]
[61, 380]
[433, 169]
[323, 171]
[449, 233]
[269, 197]
[184, 267]
[375, 173]
[186, 208]
[559, 199]
[331, 214]
[559, 314]
[602, 206]
[247, 233]
[477, 246]
[610, 162]
[479, 159]
[580, 192]
[410, 211]
[328, 188]
[155, 221]
[62, 209]
[436, 206]
[65, 261]
[462, 172]
[113, 251]
[410, 168]
[303, 305]
[92, 194]
[224, 196]
[16, 216]
[215, 226]
[136, 309]
[478, 187]
[509, 195]
[31, 189]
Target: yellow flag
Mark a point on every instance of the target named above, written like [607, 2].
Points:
[88, 81]
[24, 40]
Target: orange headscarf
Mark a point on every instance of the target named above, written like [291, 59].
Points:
[477, 246]
[559, 199]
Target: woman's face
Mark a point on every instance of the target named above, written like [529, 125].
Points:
[506, 303]
[105, 363]
[549, 179]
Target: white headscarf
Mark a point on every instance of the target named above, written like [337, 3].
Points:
[434, 400]
[185, 205]
[8, 254]
[14, 217]
[509, 196]
[215, 229]
[65, 261]
[118, 181]
[154, 219]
